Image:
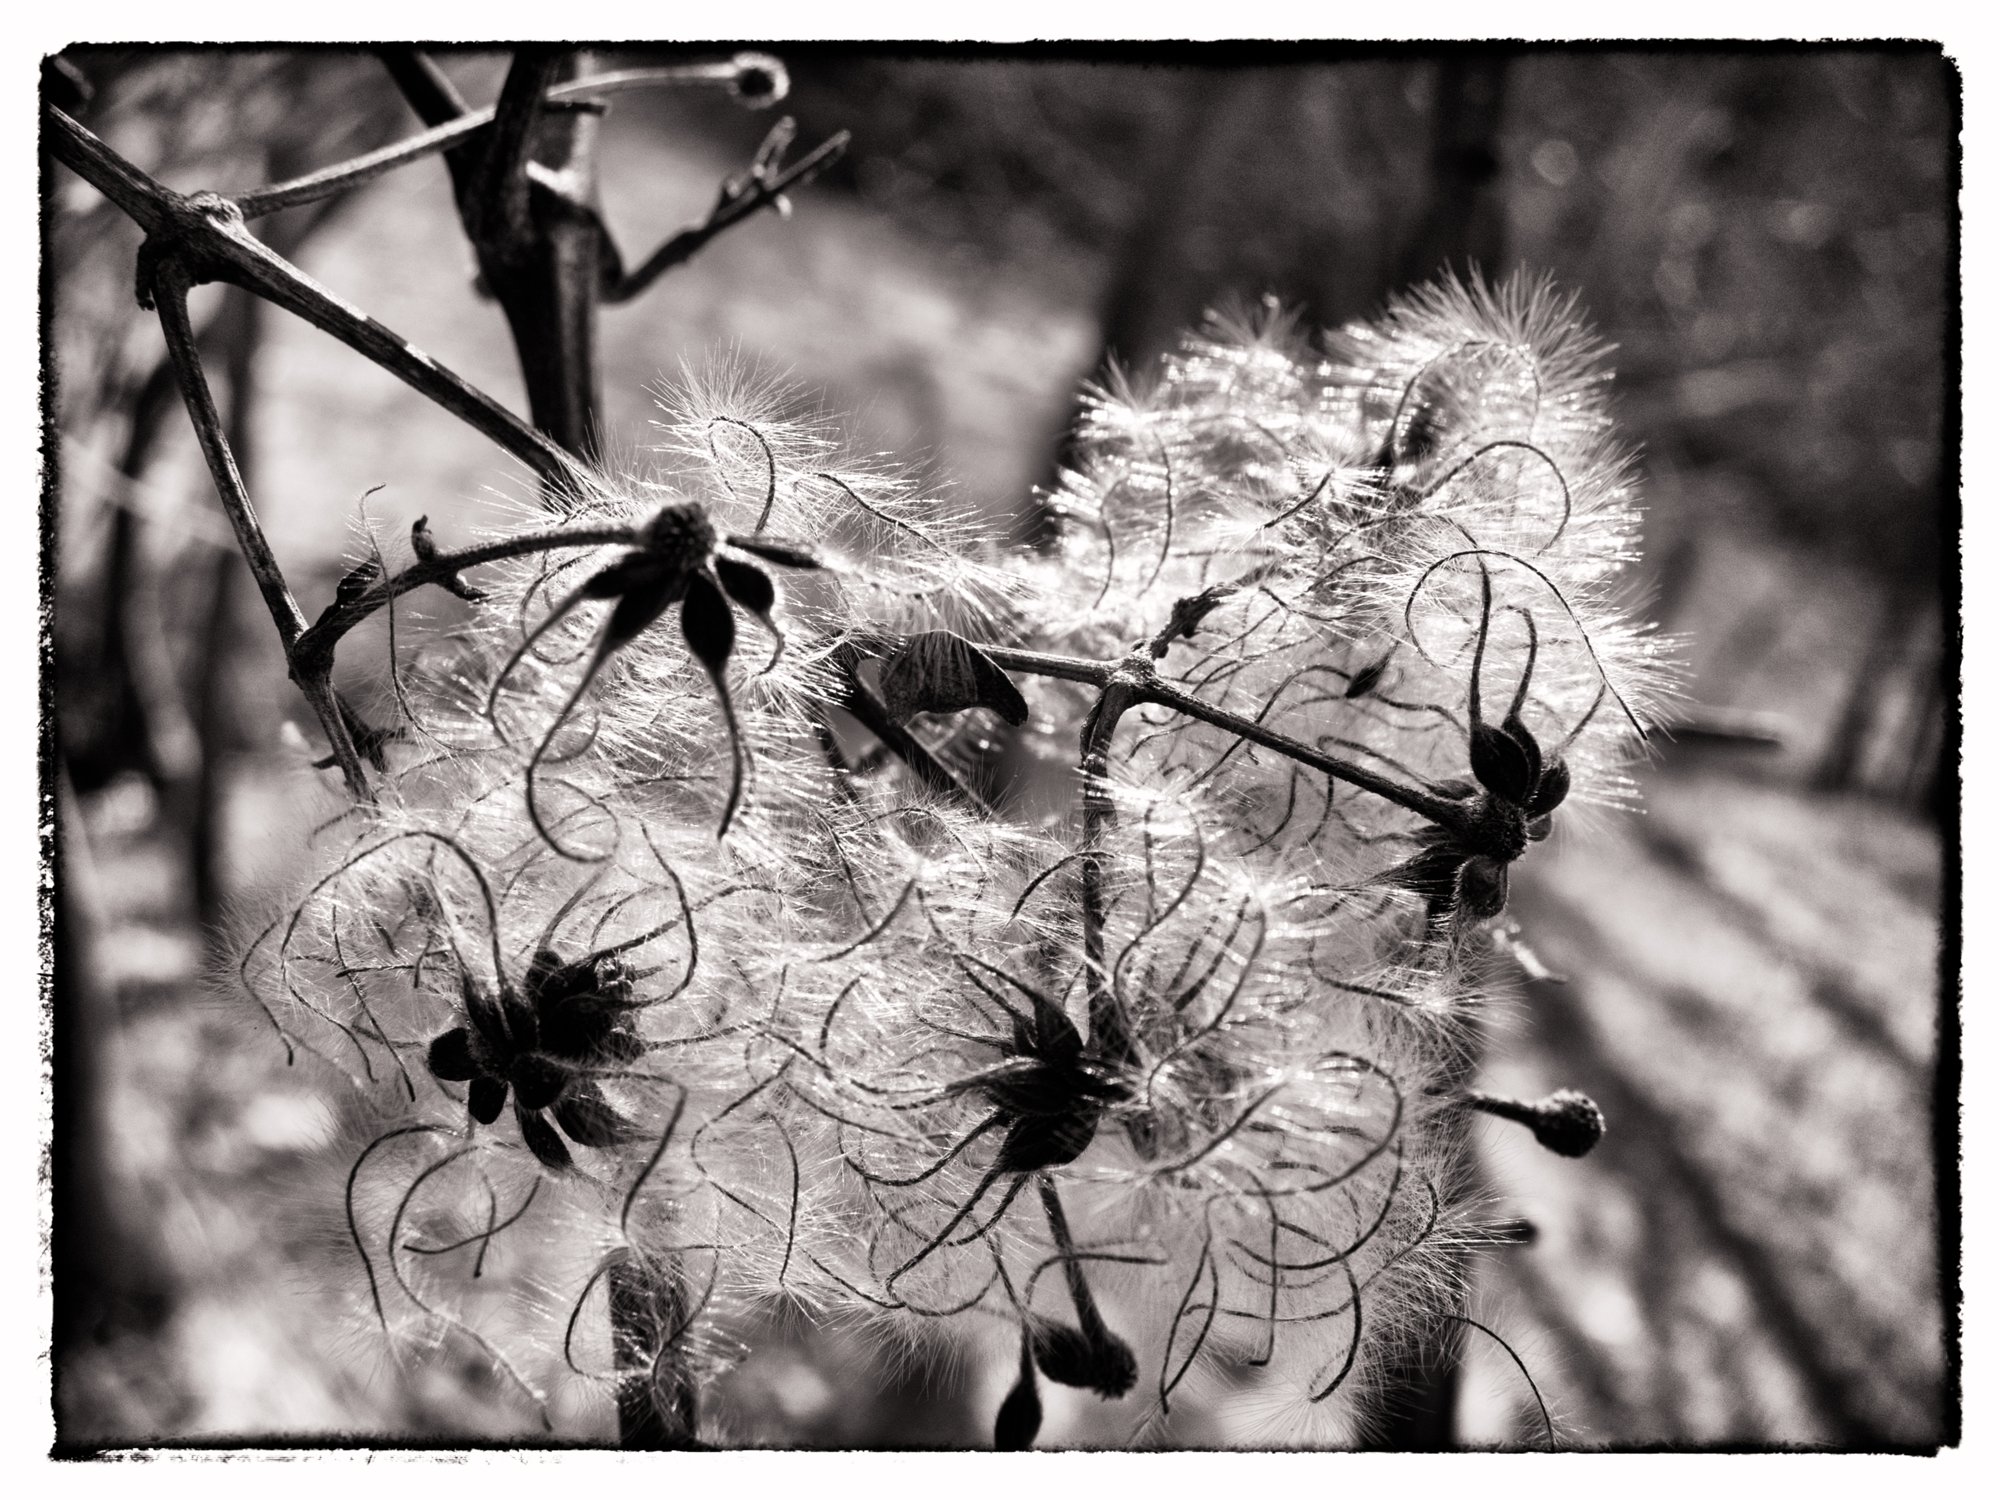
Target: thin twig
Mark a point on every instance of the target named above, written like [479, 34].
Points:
[208, 235]
[437, 102]
[169, 289]
[190, 240]
[342, 176]
[736, 202]
[1151, 689]
[167, 286]
[315, 645]
[1439, 810]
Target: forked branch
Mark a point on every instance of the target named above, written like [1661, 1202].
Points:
[763, 186]
[755, 78]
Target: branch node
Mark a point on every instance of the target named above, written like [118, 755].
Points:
[426, 548]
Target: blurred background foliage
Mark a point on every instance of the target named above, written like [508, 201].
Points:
[1768, 237]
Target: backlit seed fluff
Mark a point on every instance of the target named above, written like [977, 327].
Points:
[701, 941]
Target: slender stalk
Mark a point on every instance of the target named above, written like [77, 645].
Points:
[1088, 1319]
[168, 285]
[343, 176]
[316, 644]
[170, 292]
[1048, 664]
[1149, 688]
[144, 201]
[1110, 1033]
[733, 205]
[1438, 810]
[657, 1408]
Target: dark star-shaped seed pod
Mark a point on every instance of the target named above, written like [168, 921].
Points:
[546, 1043]
[680, 559]
[1461, 867]
[1049, 1095]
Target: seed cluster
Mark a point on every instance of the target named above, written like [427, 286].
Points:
[1060, 954]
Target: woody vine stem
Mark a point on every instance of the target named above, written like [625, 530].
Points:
[196, 238]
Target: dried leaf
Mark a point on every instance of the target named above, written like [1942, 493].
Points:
[940, 672]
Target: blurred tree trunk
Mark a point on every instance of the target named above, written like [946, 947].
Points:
[1465, 216]
[1144, 305]
[205, 799]
[1139, 308]
[121, 719]
[1933, 770]
[108, 1273]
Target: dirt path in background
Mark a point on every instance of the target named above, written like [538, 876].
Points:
[1751, 1254]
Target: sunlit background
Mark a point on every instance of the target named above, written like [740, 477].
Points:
[1746, 977]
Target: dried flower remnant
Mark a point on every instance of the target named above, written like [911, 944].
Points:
[1158, 1091]
[544, 1044]
[680, 560]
